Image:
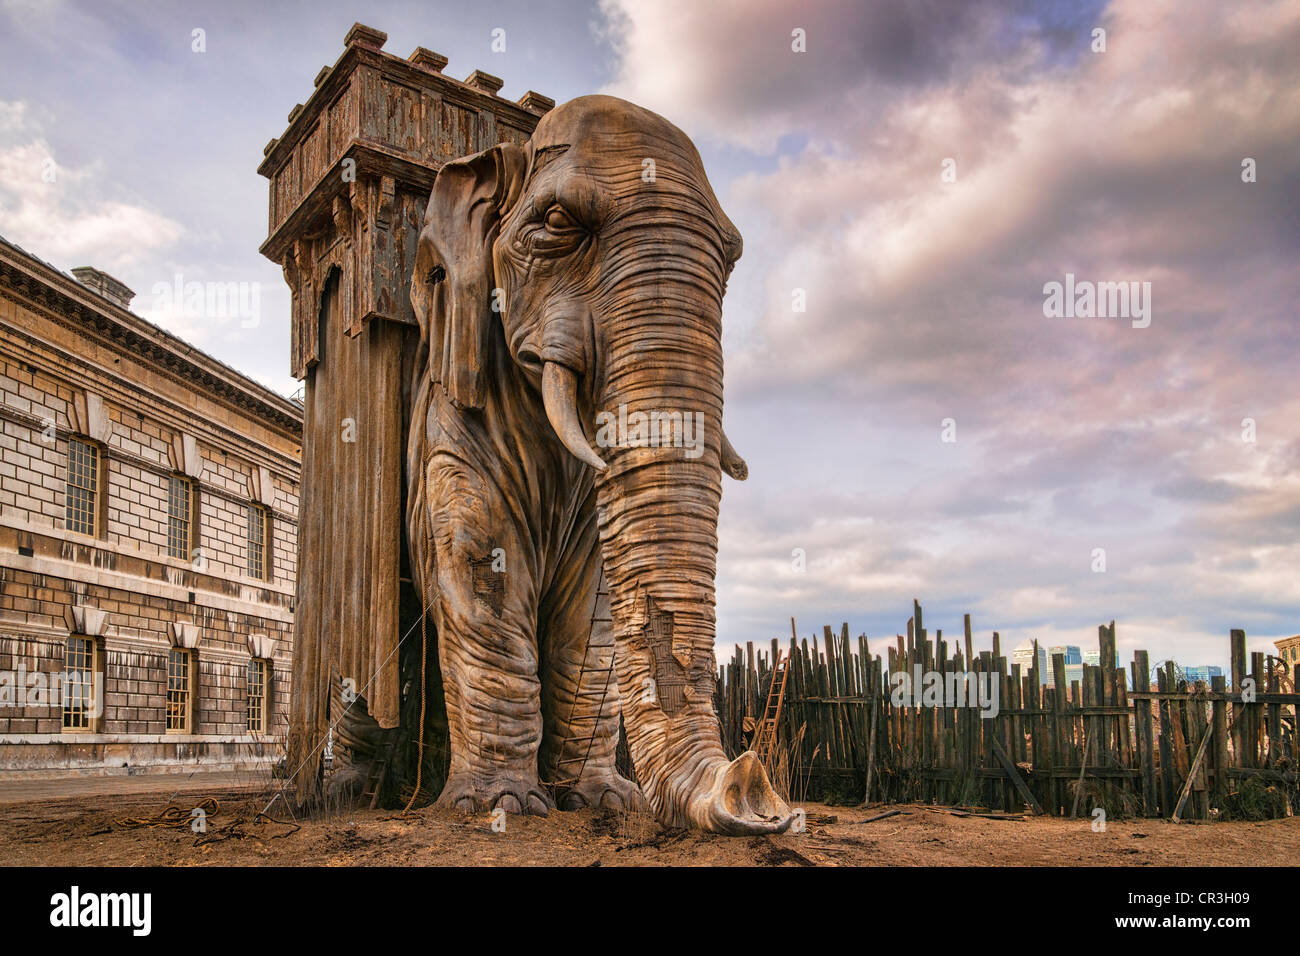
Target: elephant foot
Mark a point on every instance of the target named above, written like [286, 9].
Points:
[512, 793]
[607, 790]
[741, 802]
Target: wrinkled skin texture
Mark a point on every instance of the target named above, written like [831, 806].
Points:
[556, 281]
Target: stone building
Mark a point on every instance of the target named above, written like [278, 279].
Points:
[148, 538]
[1288, 651]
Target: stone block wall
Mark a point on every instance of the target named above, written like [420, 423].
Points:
[76, 365]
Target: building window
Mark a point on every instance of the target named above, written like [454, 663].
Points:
[83, 486]
[259, 542]
[180, 690]
[81, 710]
[259, 672]
[180, 517]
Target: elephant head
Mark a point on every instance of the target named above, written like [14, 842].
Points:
[599, 255]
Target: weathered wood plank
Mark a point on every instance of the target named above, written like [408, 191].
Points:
[1013, 774]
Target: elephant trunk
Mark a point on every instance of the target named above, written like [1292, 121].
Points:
[658, 514]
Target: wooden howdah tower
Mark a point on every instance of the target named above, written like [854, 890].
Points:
[349, 182]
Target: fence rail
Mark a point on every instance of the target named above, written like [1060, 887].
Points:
[853, 728]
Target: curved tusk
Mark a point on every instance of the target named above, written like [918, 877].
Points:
[560, 396]
[732, 463]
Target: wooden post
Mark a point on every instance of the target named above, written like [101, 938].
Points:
[1060, 733]
[1274, 717]
[1109, 725]
[1146, 745]
[871, 753]
[1257, 710]
[1240, 735]
[1220, 761]
[1166, 742]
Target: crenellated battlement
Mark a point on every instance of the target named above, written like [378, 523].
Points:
[350, 175]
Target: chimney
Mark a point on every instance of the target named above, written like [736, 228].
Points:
[105, 285]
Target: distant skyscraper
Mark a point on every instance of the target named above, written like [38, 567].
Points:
[1073, 673]
[1023, 654]
[1071, 652]
[1204, 672]
[1073, 664]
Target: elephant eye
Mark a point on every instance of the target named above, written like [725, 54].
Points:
[435, 275]
[558, 220]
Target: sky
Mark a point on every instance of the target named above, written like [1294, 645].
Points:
[926, 425]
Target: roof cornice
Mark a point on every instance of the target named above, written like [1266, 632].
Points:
[84, 310]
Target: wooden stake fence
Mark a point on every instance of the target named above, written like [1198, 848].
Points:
[1109, 740]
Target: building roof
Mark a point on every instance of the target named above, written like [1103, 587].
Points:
[65, 295]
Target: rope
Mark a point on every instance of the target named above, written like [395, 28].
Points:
[424, 684]
[235, 830]
[284, 823]
[568, 779]
[424, 663]
[280, 793]
[171, 816]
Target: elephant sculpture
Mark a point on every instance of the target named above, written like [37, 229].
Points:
[567, 409]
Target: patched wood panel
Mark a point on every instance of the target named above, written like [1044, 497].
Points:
[456, 131]
[393, 261]
[285, 187]
[315, 154]
[430, 119]
[511, 134]
[343, 120]
[401, 127]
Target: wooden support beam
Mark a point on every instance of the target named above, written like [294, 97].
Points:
[1191, 774]
[1021, 787]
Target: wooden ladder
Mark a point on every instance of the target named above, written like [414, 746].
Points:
[379, 769]
[568, 770]
[765, 737]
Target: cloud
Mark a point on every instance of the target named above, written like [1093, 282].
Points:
[925, 301]
[729, 71]
[70, 215]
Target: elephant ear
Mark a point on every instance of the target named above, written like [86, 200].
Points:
[455, 277]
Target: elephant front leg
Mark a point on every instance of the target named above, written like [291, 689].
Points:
[487, 650]
[493, 717]
[580, 690]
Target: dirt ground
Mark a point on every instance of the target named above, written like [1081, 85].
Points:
[89, 831]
